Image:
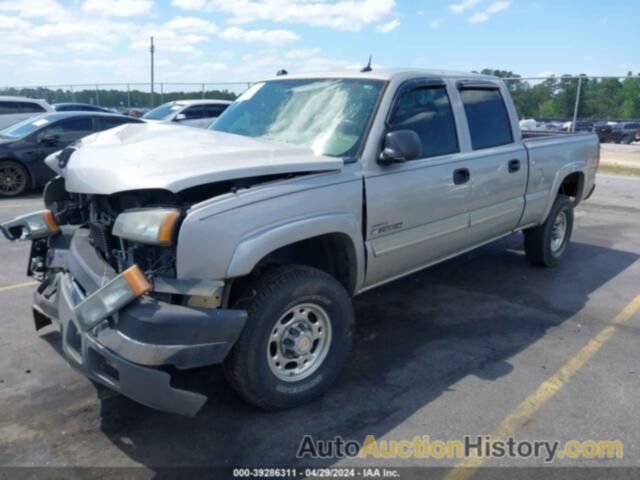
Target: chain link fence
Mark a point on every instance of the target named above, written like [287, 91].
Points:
[608, 106]
[129, 96]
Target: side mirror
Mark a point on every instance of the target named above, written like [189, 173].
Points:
[180, 117]
[50, 139]
[400, 146]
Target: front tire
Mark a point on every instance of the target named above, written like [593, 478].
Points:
[297, 337]
[546, 244]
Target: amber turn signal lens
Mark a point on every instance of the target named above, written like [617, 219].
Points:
[166, 231]
[136, 280]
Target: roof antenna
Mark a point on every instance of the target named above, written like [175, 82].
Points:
[368, 67]
[282, 72]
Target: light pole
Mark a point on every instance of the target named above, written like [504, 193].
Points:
[152, 50]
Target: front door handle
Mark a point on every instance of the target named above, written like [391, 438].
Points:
[514, 166]
[461, 176]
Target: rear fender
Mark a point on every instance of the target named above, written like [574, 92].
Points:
[560, 176]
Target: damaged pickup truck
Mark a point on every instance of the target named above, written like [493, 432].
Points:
[165, 248]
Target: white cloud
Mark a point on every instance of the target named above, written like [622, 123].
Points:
[117, 8]
[266, 36]
[435, 23]
[388, 27]
[19, 51]
[303, 53]
[348, 15]
[462, 6]
[12, 23]
[189, 4]
[495, 7]
[49, 9]
[88, 47]
[192, 24]
[168, 41]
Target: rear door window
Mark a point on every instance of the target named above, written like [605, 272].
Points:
[213, 110]
[487, 116]
[192, 113]
[107, 123]
[28, 107]
[427, 111]
[8, 108]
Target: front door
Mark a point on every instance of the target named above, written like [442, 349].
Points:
[417, 211]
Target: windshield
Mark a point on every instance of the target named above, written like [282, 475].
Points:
[330, 116]
[162, 112]
[22, 129]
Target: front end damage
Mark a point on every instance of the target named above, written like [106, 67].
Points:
[119, 328]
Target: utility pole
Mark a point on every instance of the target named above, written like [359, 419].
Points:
[152, 50]
[577, 105]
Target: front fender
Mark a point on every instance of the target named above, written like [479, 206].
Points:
[254, 247]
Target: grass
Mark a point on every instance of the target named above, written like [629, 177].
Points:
[619, 170]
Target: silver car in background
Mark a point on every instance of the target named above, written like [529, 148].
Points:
[193, 113]
[17, 109]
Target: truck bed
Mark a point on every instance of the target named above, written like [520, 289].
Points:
[553, 156]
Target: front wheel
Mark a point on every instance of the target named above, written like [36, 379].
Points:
[546, 244]
[297, 337]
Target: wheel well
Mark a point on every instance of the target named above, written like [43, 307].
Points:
[572, 186]
[332, 253]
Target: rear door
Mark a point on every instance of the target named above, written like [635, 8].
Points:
[417, 210]
[498, 162]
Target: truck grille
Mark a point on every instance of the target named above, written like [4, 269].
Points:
[102, 239]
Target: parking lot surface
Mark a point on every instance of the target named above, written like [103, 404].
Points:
[447, 352]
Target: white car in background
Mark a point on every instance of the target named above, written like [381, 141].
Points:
[17, 109]
[193, 113]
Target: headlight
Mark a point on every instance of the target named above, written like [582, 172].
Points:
[119, 292]
[154, 226]
[30, 226]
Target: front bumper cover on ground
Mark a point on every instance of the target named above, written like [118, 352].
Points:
[124, 351]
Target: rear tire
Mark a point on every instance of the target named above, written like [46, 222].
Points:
[546, 244]
[297, 337]
[14, 178]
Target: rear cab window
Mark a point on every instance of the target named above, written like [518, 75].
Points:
[487, 117]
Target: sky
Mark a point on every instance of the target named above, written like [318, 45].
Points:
[49, 42]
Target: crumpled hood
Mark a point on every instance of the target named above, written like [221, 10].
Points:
[145, 156]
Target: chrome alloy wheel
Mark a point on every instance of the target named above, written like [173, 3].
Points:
[12, 180]
[299, 342]
[558, 232]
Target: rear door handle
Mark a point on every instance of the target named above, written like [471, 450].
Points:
[461, 175]
[514, 166]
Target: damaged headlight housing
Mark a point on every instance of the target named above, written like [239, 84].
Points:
[31, 226]
[153, 226]
[117, 293]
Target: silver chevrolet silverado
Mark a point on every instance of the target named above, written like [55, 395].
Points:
[164, 248]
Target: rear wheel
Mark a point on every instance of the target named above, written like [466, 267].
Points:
[14, 178]
[296, 340]
[546, 244]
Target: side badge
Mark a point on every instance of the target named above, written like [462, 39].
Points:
[385, 227]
